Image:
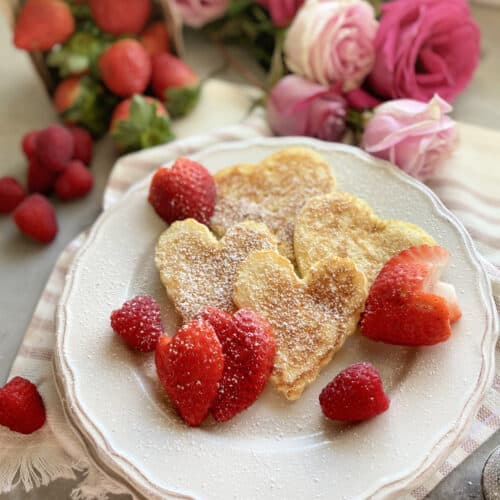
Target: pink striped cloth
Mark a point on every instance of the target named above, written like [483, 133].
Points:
[467, 186]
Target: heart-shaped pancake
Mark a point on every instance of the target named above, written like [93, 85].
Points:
[197, 270]
[311, 317]
[343, 225]
[272, 192]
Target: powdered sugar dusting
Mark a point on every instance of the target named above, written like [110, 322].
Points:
[311, 318]
[198, 271]
[271, 192]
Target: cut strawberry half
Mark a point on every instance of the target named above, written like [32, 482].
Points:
[408, 304]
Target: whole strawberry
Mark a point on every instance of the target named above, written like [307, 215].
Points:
[11, 194]
[155, 38]
[28, 144]
[125, 67]
[76, 181]
[140, 122]
[355, 394]
[35, 217]
[41, 24]
[21, 406]
[83, 101]
[183, 191]
[39, 179]
[175, 83]
[249, 347]
[138, 323]
[407, 304]
[83, 144]
[117, 18]
[54, 148]
[190, 367]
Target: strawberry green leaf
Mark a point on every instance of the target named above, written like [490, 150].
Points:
[180, 101]
[80, 52]
[92, 108]
[143, 128]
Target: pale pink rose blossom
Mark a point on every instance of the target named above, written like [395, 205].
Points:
[197, 13]
[416, 136]
[332, 41]
[299, 107]
[281, 11]
[425, 47]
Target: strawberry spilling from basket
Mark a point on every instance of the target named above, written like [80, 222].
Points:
[103, 60]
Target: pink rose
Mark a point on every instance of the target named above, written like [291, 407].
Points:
[332, 42]
[299, 107]
[416, 136]
[425, 48]
[197, 13]
[282, 11]
[360, 99]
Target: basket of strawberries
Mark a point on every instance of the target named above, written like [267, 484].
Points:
[110, 66]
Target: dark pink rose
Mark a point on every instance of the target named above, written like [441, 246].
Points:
[423, 48]
[282, 11]
[360, 99]
[297, 106]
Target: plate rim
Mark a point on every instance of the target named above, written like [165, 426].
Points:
[447, 441]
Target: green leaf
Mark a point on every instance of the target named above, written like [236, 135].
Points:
[80, 11]
[277, 68]
[180, 101]
[80, 52]
[92, 108]
[143, 128]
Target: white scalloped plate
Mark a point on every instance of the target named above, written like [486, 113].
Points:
[276, 449]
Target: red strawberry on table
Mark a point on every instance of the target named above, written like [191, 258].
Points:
[407, 304]
[155, 38]
[140, 122]
[83, 144]
[21, 406]
[249, 348]
[355, 394]
[76, 181]
[54, 148]
[175, 83]
[35, 217]
[28, 144]
[11, 194]
[118, 17]
[185, 190]
[40, 179]
[190, 367]
[125, 67]
[41, 24]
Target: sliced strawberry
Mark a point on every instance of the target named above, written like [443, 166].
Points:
[407, 304]
[189, 368]
[249, 348]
